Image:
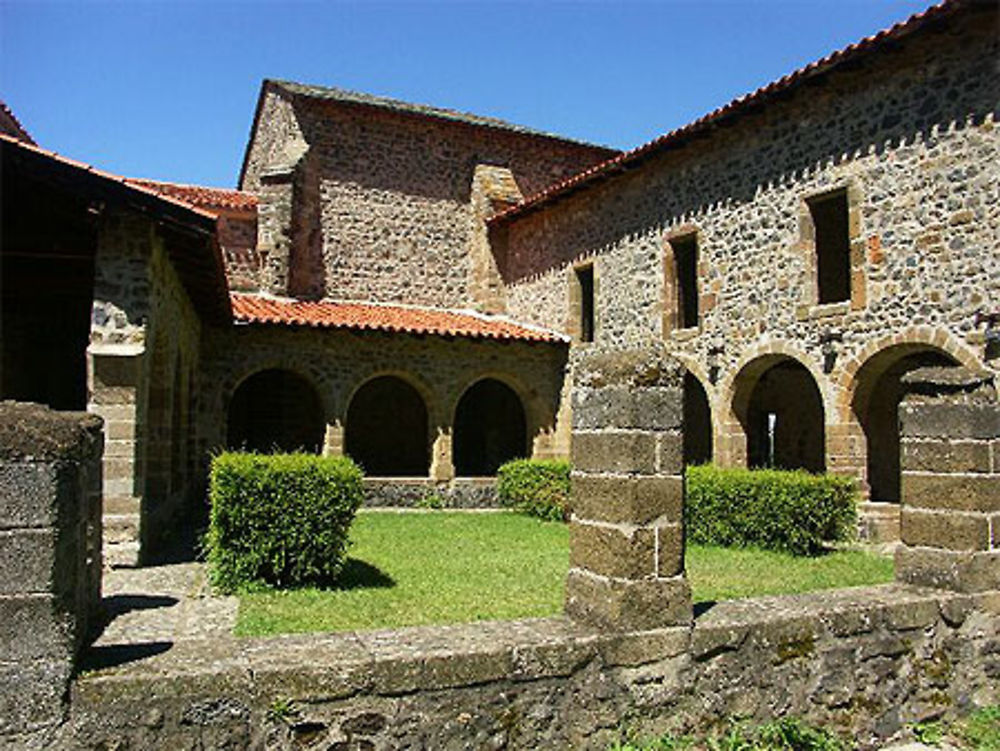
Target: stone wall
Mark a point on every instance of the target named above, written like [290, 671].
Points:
[951, 481]
[909, 135]
[238, 237]
[50, 562]
[366, 202]
[337, 362]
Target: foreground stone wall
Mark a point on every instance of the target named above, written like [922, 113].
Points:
[50, 562]
[862, 662]
[909, 136]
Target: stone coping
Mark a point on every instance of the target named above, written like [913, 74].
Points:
[324, 667]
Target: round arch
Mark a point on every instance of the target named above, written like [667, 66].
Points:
[778, 410]
[275, 409]
[490, 428]
[386, 428]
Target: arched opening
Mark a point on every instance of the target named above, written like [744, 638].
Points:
[386, 430]
[877, 393]
[697, 422]
[780, 408]
[490, 429]
[276, 410]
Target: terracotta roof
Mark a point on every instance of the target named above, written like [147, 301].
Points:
[200, 268]
[199, 195]
[741, 106]
[376, 317]
[20, 132]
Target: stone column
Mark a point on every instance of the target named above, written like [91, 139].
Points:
[950, 526]
[626, 532]
[50, 562]
[442, 466]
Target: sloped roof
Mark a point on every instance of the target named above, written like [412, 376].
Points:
[744, 105]
[199, 195]
[202, 273]
[9, 122]
[259, 309]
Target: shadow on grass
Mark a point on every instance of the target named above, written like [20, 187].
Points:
[358, 574]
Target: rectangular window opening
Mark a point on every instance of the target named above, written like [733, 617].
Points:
[686, 267]
[833, 247]
[585, 282]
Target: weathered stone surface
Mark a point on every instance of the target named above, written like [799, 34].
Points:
[627, 605]
[34, 627]
[36, 433]
[961, 571]
[946, 456]
[969, 492]
[622, 452]
[626, 498]
[943, 529]
[625, 552]
[953, 419]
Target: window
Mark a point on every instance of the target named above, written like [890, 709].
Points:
[685, 251]
[833, 247]
[585, 309]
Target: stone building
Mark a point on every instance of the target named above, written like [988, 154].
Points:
[409, 285]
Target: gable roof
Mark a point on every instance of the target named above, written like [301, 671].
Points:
[202, 273]
[361, 99]
[248, 308]
[839, 60]
[10, 125]
[200, 195]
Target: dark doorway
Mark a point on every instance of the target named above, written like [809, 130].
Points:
[386, 431]
[490, 429]
[697, 422]
[784, 420]
[876, 404]
[276, 410]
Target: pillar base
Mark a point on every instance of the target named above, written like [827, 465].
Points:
[955, 570]
[628, 605]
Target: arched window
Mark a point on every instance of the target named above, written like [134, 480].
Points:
[490, 429]
[276, 410]
[697, 422]
[386, 430]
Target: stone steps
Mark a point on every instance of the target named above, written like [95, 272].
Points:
[121, 539]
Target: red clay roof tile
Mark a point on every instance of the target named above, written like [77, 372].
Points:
[377, 317]
[199, 195]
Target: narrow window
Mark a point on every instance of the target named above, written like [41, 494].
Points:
[833, 248]
[686, 273]
[585, 283]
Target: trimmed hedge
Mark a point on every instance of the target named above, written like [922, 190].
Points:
[537, 487]
[794, 512]
[280, 520]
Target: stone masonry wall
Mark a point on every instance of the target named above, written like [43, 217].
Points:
[238, 238]
[379, 201]
[912, 138]
[50, 562]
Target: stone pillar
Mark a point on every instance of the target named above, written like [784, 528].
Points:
[442, 466]
[626, 532]
[50, 562]
[950, 525]
[333, 439]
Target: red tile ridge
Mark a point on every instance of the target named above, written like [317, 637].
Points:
[375, 316]
[733, 109]
[107, 175]
[200, 195]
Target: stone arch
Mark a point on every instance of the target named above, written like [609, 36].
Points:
[776, 410]
[275, 409]
[387, 426]
[490, 428]
[236, 378]
[700, 413]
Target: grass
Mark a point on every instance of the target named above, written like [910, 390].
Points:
[408, 569]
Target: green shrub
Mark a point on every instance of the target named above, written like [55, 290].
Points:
[537, 487]
[280, 520]
[794, 512]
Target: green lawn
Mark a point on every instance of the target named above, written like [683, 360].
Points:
[408, 569]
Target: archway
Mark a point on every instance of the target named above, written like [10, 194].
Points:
[697, 422]
[490, 429]
[386, 429]
[780, 408]
[878, 390]
[275, 410]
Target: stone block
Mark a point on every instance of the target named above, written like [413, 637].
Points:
[971, 492]
[627, 499]
[32, 695]
[627, 605]
[624, 552]
[670, 453]
[955, 570]
[946, 456]
[607, 407]
[35, 494]
[34, 627]
[659, 408]
[950, 419]
[643, 647]
[669, 549]
[36, 560]
[943, 529]
[622, 452]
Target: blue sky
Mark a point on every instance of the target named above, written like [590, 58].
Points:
[167, 90]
